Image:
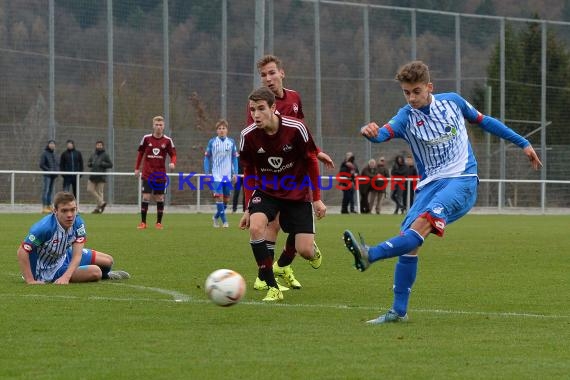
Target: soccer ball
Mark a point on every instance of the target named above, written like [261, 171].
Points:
[225, 287]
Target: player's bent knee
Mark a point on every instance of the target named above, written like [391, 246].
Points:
[257, 230]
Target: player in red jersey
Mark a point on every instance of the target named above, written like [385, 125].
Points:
[276, 153]
[288, 103]
[153, 149]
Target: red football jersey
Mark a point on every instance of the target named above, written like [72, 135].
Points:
[154, 151]
[279, 162]
[288, 105]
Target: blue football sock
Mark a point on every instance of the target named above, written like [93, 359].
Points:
[222, 212]
[397, 246]
[219, 209]
[404, 277]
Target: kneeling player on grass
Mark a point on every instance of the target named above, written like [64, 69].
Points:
[53, 250]
[434, 127]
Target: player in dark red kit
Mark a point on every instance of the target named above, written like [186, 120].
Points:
[287, 103]
[280, 176]
[153, 150]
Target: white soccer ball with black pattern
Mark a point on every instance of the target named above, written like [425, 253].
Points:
[225, 287]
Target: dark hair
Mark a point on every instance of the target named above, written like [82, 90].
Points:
[99, 142]
[263, 93]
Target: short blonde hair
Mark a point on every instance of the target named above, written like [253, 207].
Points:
[266, 59]
[157, 118]
[222, 122]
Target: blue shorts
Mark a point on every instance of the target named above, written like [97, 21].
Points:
[222, 188]
[87, 258]
[442, 202]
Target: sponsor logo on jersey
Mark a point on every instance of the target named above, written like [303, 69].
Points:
[155, 151]
[275, 161]
[437, 210]
[450, 134]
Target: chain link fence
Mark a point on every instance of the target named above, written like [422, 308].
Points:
[100, 70]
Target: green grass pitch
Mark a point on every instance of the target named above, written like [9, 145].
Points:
[490, 301]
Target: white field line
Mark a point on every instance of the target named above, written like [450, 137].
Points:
[183, 298]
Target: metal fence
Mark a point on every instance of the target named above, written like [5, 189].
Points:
[90, 70]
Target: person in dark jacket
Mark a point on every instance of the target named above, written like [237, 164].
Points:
[410, 186]
[348, 169]
[99, 162]
[399, 170]
[48, 163]
[71, 161]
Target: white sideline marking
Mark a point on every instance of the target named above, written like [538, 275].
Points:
[177, 296]
[180, 297]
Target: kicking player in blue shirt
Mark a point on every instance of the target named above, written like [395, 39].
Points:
[53, 250]
[434, 127]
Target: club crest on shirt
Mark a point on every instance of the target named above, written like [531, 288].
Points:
[287, 148]
[81, 230]
[256, 200]
[275, 161]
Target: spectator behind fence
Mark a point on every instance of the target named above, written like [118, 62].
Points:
[348, 169]
[71, 161]
[48, 163]
[365, 187]
[411, 172]
[99, 162]
[399, 171]
[378, 191]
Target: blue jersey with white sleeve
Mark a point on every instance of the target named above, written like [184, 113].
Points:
[48, 243]
[437, 135]
[220, 158]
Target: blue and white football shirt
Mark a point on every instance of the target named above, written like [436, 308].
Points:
[437, 135]
[48, 244]
[220, 158]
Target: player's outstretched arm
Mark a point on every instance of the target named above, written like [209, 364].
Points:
[532, 157]
[244, 221]
[320, 209]
[370, 130]
[25, 268]
[325, 159]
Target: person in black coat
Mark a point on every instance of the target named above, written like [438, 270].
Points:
[48, 163]
[399, 170]
[71, 161]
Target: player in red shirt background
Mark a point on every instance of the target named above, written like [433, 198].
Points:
[153, 150]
